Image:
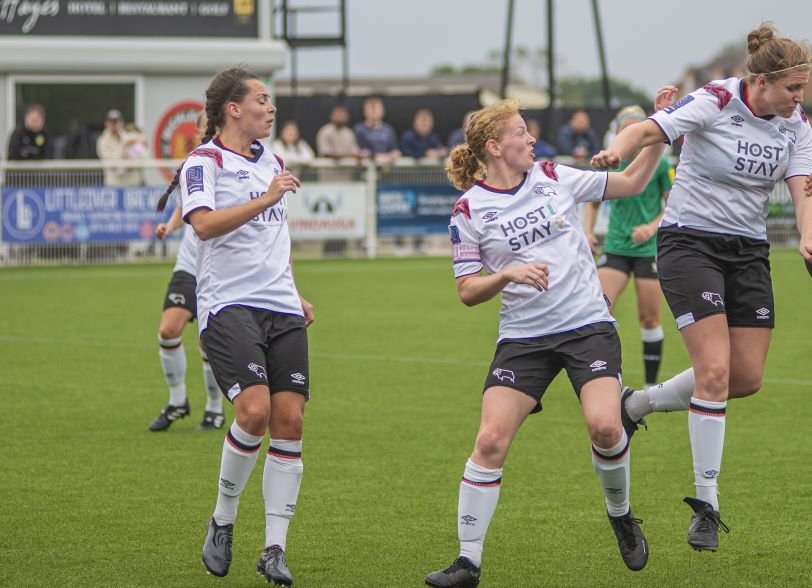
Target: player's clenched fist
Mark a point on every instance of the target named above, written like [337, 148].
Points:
[281, 183]
[532, 274]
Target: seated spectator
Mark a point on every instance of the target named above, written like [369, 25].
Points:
[421, 141]
[542, 149]
[29, 141]
[336, 139]
[457, 136]
[290, 146]
[376, 138]
[114, 144]
[576, 138]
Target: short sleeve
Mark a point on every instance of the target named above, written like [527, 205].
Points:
[689, 114]
[464, 241]
[584, 185]
[800, 161]
[197, 179]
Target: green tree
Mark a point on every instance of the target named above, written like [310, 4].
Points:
[588, 93]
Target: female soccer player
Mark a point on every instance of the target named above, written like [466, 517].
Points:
[631, 248]
[521, 225]
[741, 137]
[251, 318]
[180, 308]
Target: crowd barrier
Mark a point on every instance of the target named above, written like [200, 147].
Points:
[59, 212]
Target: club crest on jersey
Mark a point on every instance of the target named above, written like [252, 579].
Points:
[791, 135]
[463, 207]
[543, 190]
[454, 233]
[194, 179]
[678, 104]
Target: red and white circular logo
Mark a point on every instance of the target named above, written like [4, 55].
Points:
[175, 132]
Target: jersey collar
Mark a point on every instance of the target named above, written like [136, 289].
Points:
[256, 147]
[512, 191]
[744, 97]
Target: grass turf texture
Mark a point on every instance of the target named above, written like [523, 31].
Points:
[92, 498]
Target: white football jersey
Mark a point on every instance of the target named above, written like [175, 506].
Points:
[536, 222]
[187, 252]
[731, 159]
[250, 265]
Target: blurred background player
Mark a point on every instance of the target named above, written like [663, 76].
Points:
[742, 136]
[251, 318]
[630, 248]
[180, 308]
[519, 221]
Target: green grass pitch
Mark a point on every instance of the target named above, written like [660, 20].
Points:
[91, 498]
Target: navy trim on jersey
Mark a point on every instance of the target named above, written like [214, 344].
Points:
[511, 191]
[186, 216]
[667, 140]
[256, 147]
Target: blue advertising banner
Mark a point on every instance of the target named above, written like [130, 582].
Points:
[410, 209]
[79, 215]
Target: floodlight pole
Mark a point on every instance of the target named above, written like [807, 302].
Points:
[607, 94]
[506, 54]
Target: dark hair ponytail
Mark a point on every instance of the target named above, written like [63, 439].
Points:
[227, 86]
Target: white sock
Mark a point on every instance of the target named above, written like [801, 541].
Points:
[672, 395]
[173, 362]
[479, 494]
[280, 488]
[240, 450]
[214, 398]
[612, 466]
[706, 426]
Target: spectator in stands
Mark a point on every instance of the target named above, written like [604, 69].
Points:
[576, 138]
[290, 146]
[376, 138]
[421, 141]
[336, 139]
[29, 141]
[457, 136]
[542, 149]
[113, 145]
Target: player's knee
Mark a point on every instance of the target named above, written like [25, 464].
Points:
[492, 443]
[287, 425]
[253, 417]
[605, 432]
[714, 379]
[169, 331]
[649, 321]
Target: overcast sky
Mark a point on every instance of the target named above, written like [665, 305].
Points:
[648, 42]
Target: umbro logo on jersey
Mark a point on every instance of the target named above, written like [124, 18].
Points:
[297, 378]
[258, 370]
[737, 120]
[243, 174]
[763, 313]
[489, 216]
[543, 190]
[177, 298]
[790, 134]
[713, 298]
[503, 375]
[468, 520]
[598, 365]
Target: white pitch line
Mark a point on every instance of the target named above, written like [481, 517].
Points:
[324, 354]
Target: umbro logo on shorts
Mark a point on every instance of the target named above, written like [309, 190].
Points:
[258, 370]
[177, 298]
[763, 313]
[598, 365]
[504, 375]
[297, 378]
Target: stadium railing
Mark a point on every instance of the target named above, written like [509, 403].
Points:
[58, 212]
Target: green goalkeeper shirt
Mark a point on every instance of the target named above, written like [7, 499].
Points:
[627, 213]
